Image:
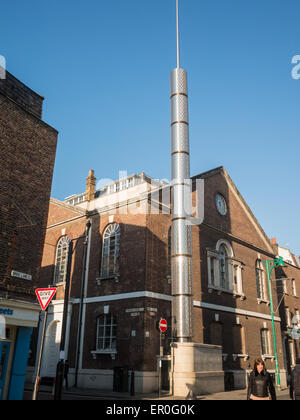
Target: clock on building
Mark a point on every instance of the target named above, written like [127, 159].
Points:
[221, 204]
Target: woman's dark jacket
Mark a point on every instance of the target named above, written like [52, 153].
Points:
[261, 385]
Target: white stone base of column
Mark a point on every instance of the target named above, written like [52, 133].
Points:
[196, 369]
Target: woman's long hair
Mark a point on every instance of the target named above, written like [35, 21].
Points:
[259, 361]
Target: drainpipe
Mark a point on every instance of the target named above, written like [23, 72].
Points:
[82, 292]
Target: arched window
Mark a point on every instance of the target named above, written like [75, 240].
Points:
[110, 251]
[106, 335]
[61, 261]
[223, 267]
[260, 280]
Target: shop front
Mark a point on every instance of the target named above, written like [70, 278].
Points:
[17, 319]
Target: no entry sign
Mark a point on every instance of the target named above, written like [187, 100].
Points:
[45, 296]
[163, 325]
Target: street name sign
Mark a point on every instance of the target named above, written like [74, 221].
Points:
[45, 296]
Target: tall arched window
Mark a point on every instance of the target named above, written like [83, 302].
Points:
[260, 280]
[110, 251]
[223, 267]
[61, 261]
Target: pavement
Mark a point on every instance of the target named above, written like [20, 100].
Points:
[83, 393]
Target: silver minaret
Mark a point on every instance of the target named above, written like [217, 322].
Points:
[181, 229]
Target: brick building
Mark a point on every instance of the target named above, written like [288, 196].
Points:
[126, 284]
[289, 309]
[27, 154]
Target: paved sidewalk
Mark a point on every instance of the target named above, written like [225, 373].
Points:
[110, 395]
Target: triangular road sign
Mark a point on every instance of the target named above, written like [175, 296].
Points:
[45, 296]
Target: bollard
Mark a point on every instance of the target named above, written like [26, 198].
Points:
[132, 387]
[59, 380]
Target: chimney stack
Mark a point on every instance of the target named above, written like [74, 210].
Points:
[90, 186]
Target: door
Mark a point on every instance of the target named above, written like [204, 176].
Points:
[51, 350]
[4, 355]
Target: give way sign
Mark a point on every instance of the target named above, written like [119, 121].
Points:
[45, 296]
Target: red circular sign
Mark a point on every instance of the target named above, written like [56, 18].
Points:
[163, 325]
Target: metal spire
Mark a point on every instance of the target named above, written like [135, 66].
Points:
[177, 23]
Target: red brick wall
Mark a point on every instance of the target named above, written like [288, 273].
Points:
[27, 153]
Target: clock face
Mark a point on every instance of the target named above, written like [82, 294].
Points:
[221, 204]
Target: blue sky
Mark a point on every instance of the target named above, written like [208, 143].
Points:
[103, 67]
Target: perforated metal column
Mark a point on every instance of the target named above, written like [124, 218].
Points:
[181, 231]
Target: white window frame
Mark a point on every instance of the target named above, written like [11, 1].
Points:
[260, 281]
[265, 342]
[294, 290]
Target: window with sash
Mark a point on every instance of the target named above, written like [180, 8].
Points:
[260, 280]
[265, 341]
[106, 335]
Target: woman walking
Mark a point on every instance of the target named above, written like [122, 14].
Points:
[260, 385]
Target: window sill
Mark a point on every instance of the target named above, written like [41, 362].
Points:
[240, 356]
[219, 291]
[61, 283]
[268, 356]
[110, 352]
[115, 277]
[260, 301]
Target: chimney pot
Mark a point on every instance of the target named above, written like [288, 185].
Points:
[90, 186]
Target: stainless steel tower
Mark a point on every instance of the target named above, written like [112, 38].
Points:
[181, 230]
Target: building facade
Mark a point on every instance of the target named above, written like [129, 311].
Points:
[27, 154]
[125, 287]
[288, 281]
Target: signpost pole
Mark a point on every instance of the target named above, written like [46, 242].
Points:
[44, 296]
[37, 378]
[162, 327]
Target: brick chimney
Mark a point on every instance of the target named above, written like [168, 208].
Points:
[90, 186]
[273, 241]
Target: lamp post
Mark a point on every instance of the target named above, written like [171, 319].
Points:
[270, 264]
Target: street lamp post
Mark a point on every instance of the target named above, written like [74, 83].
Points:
[270, 264]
